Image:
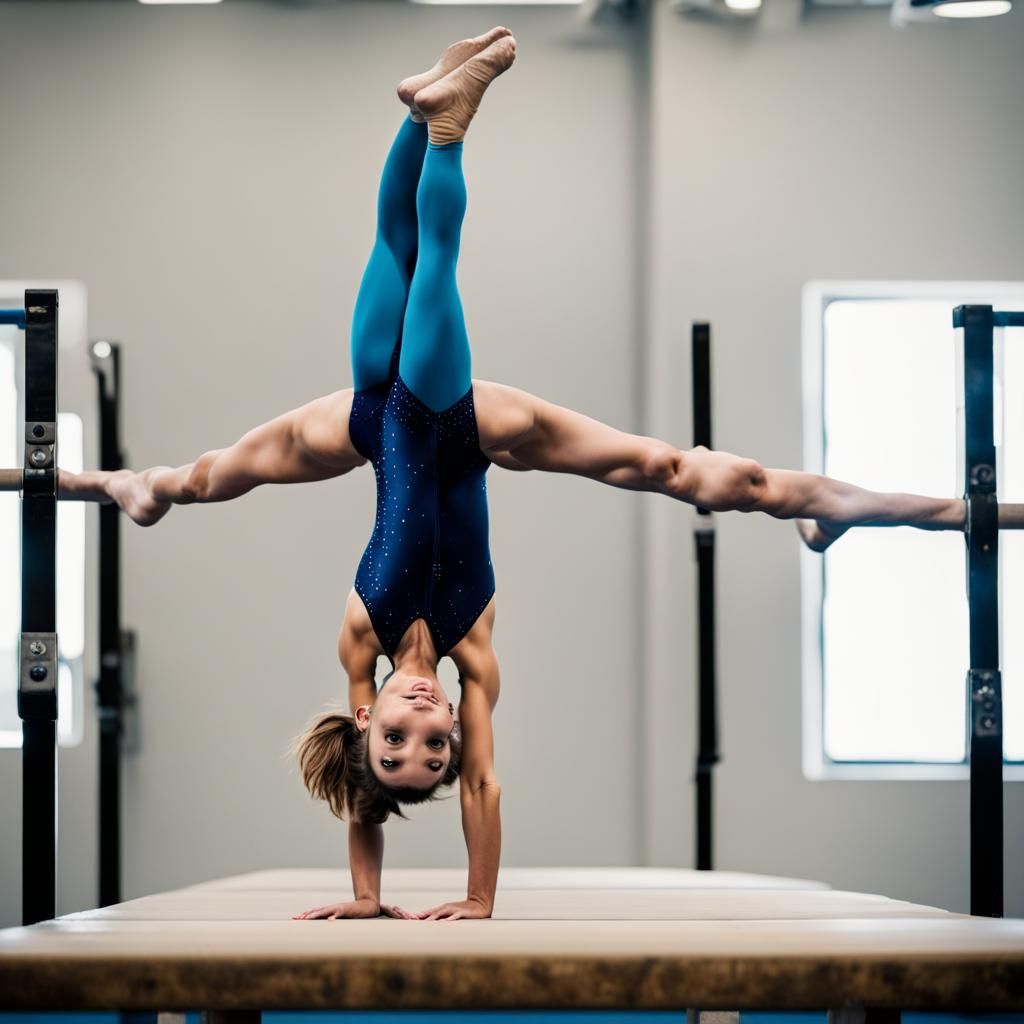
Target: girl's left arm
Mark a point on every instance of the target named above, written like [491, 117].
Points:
[479, 792]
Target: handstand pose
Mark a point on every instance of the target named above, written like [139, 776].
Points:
[424, 588]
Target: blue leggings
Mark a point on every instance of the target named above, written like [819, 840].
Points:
[408, 294]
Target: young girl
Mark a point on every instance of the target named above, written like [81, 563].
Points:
[424, 588]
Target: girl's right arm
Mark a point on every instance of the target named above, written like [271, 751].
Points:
[365, 857]
[307, 444]
[358, 653]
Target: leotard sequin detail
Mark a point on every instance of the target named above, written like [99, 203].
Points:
[428, 556]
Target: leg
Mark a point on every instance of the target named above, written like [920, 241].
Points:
[826, 508]
[384, 290]
[435, 360]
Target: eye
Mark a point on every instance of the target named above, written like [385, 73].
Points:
[436, 743]
[393, 737]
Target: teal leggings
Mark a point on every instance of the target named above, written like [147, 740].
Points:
[408, 301]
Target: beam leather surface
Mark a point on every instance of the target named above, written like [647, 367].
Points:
[424, 879]
[684, 942]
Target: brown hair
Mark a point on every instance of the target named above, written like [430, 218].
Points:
[335, 764]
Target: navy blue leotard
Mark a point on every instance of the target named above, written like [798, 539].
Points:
[412, 412]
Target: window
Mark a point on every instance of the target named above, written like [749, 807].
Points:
[885, 611]
[70, 526]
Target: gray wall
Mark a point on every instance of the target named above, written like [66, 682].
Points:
[211, 177]
[827, 147]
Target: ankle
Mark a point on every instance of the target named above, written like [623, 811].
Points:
[441, 132]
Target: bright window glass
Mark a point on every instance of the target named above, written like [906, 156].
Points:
[894, 612]
[70, 564]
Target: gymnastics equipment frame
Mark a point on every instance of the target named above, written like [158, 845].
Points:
[116, 646]
[704, 548]
[37, 673]
[976, 326]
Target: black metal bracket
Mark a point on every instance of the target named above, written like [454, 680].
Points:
[37, 683]
[985, 687]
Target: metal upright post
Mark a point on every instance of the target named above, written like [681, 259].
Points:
[984, 684]
[110, 697]
[37, 682]
[704, 540]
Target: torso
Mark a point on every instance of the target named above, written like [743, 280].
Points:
[359, 646]
[428, 559]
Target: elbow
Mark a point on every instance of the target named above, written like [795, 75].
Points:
[474, 787]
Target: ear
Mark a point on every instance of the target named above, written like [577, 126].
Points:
[362, 717]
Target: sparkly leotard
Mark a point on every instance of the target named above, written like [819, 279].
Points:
[428, 556]
[412, 412]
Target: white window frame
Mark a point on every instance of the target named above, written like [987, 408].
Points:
[817, 295]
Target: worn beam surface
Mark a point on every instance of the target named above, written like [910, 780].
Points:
[657, 939]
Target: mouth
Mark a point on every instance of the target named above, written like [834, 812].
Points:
[422, 689]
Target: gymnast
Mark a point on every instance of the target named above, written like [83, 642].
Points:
[424, 588]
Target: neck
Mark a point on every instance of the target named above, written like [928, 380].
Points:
[416, 657]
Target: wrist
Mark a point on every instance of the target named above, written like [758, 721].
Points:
[485, 904]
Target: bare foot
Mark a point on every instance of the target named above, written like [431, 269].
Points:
[132, 494]
[450, 103]
[456, 54]
[819, 535]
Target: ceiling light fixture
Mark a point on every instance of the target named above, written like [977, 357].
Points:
[971, 8]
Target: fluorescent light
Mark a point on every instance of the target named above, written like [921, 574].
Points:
[504, 3]
[179, 1]
[743, 5]
[101, 349]
[972, 8]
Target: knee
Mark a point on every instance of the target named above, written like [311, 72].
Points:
[747, 484]
[662, 469]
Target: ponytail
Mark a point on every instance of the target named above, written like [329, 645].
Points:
[325, 754]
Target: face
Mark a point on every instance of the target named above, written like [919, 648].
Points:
[408, 730]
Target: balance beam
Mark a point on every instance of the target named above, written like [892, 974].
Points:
[560, 939]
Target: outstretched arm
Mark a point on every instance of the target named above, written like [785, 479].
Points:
[307, 444]
[541, 435]
[479, 791]
[365, 839]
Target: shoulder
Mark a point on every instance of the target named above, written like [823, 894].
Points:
[504, 415]
[357, 640]
[358, 650]
[476, 661]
